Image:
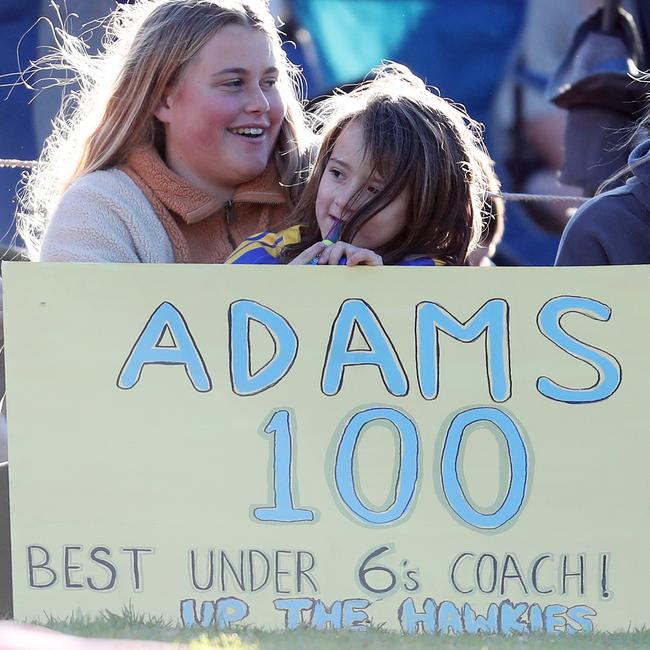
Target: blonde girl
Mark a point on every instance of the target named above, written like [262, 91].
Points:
[185, 137]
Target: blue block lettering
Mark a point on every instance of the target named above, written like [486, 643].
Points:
[449, 618]
[580, 615]
[380, 352]
[230, 610]
[282, 509]
[517, 456]
[511, 614]
[149, 349]
[535, 618]
[188, 613]
[243, 380]
[354, 615]
[606, 366]
[293, 608]
[492, 319]
[322, 616]
[407, 470]
[554, 622]
[475, 623]
[411, 620]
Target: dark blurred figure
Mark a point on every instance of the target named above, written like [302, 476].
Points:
[614, 227]
[530, 141]
[600, 84]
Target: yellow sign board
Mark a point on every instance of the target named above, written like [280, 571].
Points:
[437, 450]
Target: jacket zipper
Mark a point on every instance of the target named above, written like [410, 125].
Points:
[229, 214]
[229, 211]
[229, 207]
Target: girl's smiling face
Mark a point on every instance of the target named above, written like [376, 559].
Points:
[223, 116]
[347, 184]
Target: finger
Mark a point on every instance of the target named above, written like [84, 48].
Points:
[325, 255]
[365, 256]
[309, 254]
[357, 258]
[336, 252]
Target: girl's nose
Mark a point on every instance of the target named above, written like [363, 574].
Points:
[256, 101]
[340, 205]
[342, 202]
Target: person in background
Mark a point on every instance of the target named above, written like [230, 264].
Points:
[614, 226]
[530, 130]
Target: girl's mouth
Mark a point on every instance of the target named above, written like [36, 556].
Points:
[248, 132]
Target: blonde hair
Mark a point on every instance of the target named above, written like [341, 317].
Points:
[147, 47]
[416, 141]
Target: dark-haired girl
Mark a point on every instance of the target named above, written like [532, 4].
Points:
[398, 180]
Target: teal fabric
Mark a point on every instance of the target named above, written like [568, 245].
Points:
[355, 36]
[461, 48]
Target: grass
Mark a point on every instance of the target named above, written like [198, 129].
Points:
[130, 625]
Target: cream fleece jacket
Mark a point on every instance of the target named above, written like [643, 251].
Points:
[105, 217]
[144, 212]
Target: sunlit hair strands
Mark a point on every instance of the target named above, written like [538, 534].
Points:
[414, 140]
[147, 47]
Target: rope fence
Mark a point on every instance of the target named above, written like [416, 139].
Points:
[506, 196]
[13, 163]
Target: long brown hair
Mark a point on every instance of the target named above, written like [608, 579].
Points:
[414, 140]
[148, 45]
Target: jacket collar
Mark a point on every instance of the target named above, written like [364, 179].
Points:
[189, 202]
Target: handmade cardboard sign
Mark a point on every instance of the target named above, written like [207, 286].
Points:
[435, 450]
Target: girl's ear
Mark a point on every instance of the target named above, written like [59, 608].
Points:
[165, 106]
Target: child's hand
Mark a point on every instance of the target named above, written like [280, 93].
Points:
[332, 254]
[355, 255]
[313, 252]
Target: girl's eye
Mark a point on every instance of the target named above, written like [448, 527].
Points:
[270, 83]
[337, 173]
[233, 83]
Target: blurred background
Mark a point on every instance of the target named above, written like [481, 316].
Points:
[501, 59]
